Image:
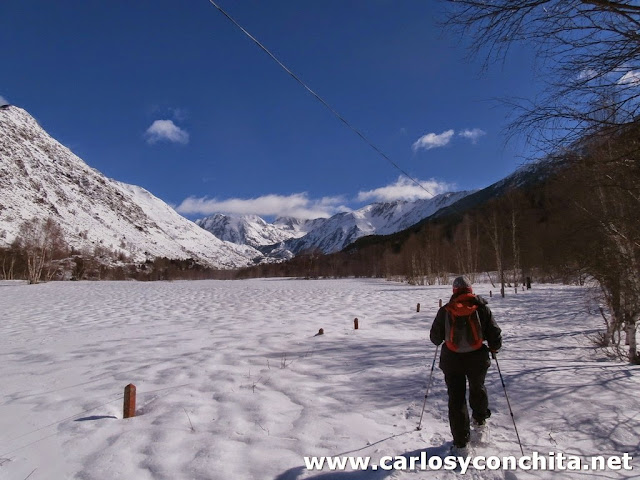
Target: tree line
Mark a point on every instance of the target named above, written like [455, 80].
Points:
[40, 253]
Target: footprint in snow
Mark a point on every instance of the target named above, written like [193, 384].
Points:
[436, 440]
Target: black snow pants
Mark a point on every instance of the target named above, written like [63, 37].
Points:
[459, 368]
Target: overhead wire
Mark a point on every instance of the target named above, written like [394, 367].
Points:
[319, 98]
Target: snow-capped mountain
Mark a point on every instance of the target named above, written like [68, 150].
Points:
[41, 178]
[252, 230]
[298, 227]
[342, 229]
[288, 236]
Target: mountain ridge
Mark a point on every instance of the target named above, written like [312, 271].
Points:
[328, 235]
[39, 177]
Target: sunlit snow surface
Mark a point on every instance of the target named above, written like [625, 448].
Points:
[233, 383]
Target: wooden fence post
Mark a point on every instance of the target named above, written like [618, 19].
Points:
[129, 409]
[355, 323]
[418, 308]
[440, 303]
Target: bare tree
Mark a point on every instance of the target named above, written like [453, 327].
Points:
[8, 263]
[495, 232]
[585, 48]
[42, 241]
[607, 196]
[514, 243]
[467, 245]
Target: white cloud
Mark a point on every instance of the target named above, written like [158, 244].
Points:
[406, 189]
[472, 134]
[166, 130]
[3, 101]
[433, 140]
[297, 205]
[632, 77]
[587, 74]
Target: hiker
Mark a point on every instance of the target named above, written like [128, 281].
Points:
[464, 324]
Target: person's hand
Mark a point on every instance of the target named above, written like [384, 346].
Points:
[493, 352]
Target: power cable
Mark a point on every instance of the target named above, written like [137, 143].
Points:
[319, 98]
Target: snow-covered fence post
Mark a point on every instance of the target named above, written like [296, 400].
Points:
[129, 409]
[355, 323]
[418, 308]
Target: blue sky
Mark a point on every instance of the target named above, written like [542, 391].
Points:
[169, 95]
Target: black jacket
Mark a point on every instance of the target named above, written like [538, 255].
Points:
[490, 332]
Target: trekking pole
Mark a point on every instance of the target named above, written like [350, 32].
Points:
[493, 355]
[428, 386]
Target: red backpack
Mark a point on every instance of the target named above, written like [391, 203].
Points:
[463, 330]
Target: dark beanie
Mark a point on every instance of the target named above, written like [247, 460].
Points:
[462, 285]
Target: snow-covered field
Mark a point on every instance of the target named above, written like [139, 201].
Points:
[233, 383]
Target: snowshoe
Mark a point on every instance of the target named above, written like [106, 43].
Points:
[480, 433]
